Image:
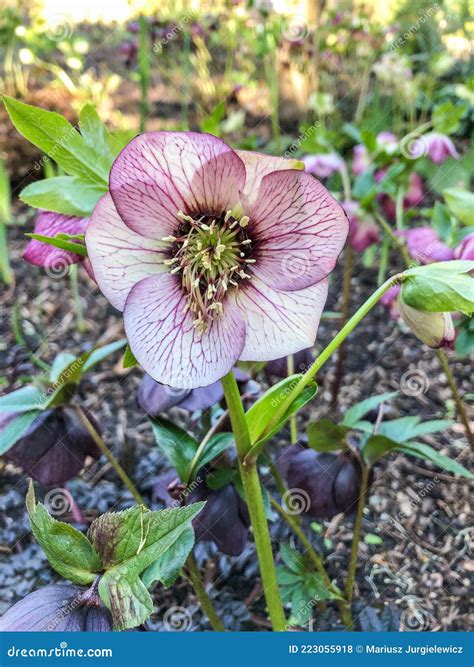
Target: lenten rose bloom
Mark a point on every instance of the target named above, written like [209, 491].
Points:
[425, 245]
[437, 146]
[363, 232]
[213, 255]
[50, 224]
[323, 165]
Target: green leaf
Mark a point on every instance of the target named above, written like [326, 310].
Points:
[129, 358]
[54, 135]
[446, 116]
[441, 287]
[168, 566]
[22, 400]
[359, 410]
[217, 444]
[377, 446]
[292, 559]
[68, 551]
[426, 452]
[60, 363]
[101, 353]
[5, 196]
[95, 133]
[59, 242]
[176, 444]
[68, 380]
[128, 543]
[16, 428]
[217, 479]
[261, 412]
[325, 435]
[63, 194]
[461, 204]
[408, 428]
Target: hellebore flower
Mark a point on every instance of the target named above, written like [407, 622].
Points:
[425, 246]
[330, 481]
[434, 329]
[213, 255]
[55, 446]
[48, 256]
[224, 519]
[156, 398]
[362, 232]
[323, 165]
[58, 608]
[361, 160]
[465, 250]
[438, 147]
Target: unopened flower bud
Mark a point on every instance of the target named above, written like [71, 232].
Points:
[433, 329]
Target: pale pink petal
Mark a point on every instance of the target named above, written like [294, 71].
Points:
[119, 257]
[51, 224]
[258, 165]
[166, 343]
[299, 230]
[279, 323]
[160, 173]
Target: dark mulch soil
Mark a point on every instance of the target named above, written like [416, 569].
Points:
[419, 574]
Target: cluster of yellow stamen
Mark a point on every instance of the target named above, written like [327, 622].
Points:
[212, 255]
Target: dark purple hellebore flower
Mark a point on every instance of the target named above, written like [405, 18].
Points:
[362, 233]
[425, 246]
[324, 483]
[224, 519]
[55, 446]
[156, 398]
[301, 360]
[58, 608]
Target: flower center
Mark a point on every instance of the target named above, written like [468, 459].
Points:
[212, 255]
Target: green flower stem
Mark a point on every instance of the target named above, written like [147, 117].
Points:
[394, 238]
[461, 408]
[399, 208]
[328, 351]
[108, 454]
[290, 368]
[253, 496]
[202, 446]
[5, 268]
[76, 297]
[193, 572]
[194, 575]
[346, 297]
[351, 572]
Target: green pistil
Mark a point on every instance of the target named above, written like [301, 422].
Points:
[212, 256]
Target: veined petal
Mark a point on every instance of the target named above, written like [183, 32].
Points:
[279, 323]
[299, 229]
[258, 165]
[165, 342]
[50, 224]
[161, 173]
[119, 257]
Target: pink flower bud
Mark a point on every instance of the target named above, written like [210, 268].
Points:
[465, 250]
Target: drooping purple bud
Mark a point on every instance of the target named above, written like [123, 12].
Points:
[465, 250]
[301, 361]
[437, 146]
[390, 300]
[425, 246]
[156, 398]
[48, 256]
[55, 446]
[363, 231]
[58, 608]
[322, 484]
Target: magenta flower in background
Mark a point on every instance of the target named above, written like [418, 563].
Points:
[465, 250]
[323, 165]
[213, 255]
[390, 301]
[362, 232]
[438, 147]
[361, 160]
[49, 224]
[425, 246]
[414, 196]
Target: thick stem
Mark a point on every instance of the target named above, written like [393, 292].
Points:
[253, 496]
[327, 353]
[351, 572]
[346, 297]
[195, 578]
[108, 454]
[461, 408]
